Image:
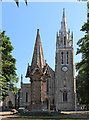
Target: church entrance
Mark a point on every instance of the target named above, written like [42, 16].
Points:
[48, 104]
[10, 105]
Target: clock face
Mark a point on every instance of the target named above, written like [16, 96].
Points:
[64, 69]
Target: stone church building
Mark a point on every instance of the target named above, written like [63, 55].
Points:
[50, 89]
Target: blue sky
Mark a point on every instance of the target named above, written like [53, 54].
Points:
[21, 26]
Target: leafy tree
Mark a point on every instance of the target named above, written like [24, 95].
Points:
[17, 2]
[8, 74]
[83, 66]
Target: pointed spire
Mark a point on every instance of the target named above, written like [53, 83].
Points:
[69, 31]
[57, 34]
[64, 13]
[38, 57]
[64, 23]
[72, 35]
[72, 38]
[57, 40]
[21, 78]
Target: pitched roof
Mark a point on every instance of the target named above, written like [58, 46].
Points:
[38, 65]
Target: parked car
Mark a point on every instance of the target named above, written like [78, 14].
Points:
[21, 109]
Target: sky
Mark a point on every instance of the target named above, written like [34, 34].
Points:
[43, 0]
[21, 24]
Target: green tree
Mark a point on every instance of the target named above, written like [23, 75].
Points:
[17, 2]
[83, 66]
[8, 76]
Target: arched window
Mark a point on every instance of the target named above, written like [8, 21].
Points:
[26, 97]
[61, 57]
[64, 40]
[64, 96]
[67, 60]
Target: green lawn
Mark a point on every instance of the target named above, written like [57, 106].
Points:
[37, 119]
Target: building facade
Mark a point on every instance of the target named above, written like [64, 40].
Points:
[64, 69]
[50, 89]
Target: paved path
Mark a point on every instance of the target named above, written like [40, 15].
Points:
[7, 114]
[75, 112]
[71, 114]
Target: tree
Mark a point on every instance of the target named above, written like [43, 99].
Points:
[8, 74]
[83, 66]
[17, 2]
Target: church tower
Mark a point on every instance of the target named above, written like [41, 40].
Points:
[65, 86]
[38, 73]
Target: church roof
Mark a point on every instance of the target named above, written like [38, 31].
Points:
[38, 65]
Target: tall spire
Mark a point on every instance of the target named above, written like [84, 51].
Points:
[64, 23]
[38, 57]
[21, 78]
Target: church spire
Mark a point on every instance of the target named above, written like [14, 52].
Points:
[21, 80]
[64, 23]
[38, 57]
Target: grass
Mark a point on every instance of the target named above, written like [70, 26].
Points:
[37, 119]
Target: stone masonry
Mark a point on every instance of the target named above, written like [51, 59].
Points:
[50, 89]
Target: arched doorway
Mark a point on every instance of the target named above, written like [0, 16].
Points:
[10, 105]
[47, 103]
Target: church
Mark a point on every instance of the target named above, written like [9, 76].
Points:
[49, 89]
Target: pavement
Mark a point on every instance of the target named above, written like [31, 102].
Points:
[7, 115]
[75, 112]
[68, 114]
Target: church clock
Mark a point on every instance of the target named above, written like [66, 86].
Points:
[65, 69]
[65, 88]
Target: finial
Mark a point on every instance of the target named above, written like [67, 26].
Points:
[63, 12]
[69, 31]
[72, 35]
[57, 34]
[21, 78]
[28, 64]
[37, 31]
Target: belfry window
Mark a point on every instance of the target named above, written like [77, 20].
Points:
[61, 57]
[64, 96]
[26, 97]
[64, 40]
[67, 55]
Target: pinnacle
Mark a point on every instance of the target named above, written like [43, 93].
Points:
[64, 23]
[38, 32]
[38, 57]
[63, 12]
